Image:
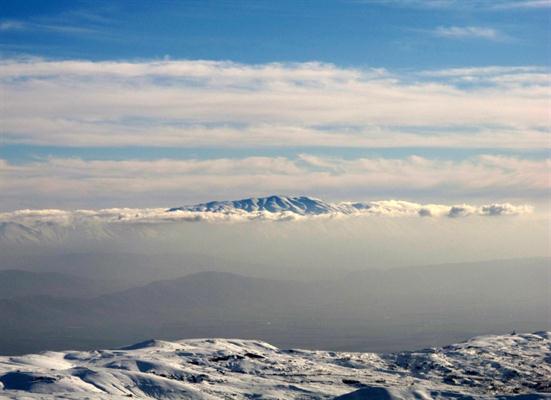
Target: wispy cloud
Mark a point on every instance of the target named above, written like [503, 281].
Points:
[74, 21]
[523, 4]
[11, 25]
[82, 183]
[222, 104]
[468, 32]
[15, 25]
[230, 105]
[465, 4]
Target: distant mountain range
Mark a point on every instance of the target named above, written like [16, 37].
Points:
[378, 310]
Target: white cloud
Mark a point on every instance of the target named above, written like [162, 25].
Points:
[16, 25]
[223, 104]
[80, 183]
[486, 72]
[34, 220]
[504, 209]
[466, 4]
[11, 25]
[462, 32]
[519, 4]
[506, 77]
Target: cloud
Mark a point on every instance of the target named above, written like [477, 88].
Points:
[76, 21]
[224, 104]
[11, 25]
[468, 32]
[488, 210]
[81, 183]
[522, 4]
[295, 105]
[16, 25]
[494, 74]
[504, 209]
[33, 220]
[461, 211]
[465, 4]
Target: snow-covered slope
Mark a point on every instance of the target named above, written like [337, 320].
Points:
[305, 206]
[483, 367]
[301, 205]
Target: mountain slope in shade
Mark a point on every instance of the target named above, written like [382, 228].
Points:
[17, 283]
[486, 367]
[392, 310]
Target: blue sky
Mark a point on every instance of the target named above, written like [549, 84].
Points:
[110, 103]
[390, 34]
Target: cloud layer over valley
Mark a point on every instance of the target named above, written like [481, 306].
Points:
[222, 212]
[310, 233]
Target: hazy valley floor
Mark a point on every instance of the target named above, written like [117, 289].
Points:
[372, 310]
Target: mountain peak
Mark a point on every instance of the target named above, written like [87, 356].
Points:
[302, 205]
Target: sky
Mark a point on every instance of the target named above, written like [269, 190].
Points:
[159, 104]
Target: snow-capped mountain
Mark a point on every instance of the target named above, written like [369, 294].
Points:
[53, 225]
[301, 205]
[486, 367]
[310, 206]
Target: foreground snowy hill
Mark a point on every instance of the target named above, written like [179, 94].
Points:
[484, 367]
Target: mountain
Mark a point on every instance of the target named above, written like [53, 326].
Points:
[367, 311]
[18, 283]
[214, 303]
[304, 205]
[513, 366]
[77, 228]
[115, 268]
[301, 205]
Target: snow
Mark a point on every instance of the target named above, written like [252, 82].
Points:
[23, 226]
[299, 205]
[304, 205]
[484, 367]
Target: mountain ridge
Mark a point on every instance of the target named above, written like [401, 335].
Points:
[302, 205]
[343, 310]
[312, 206]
